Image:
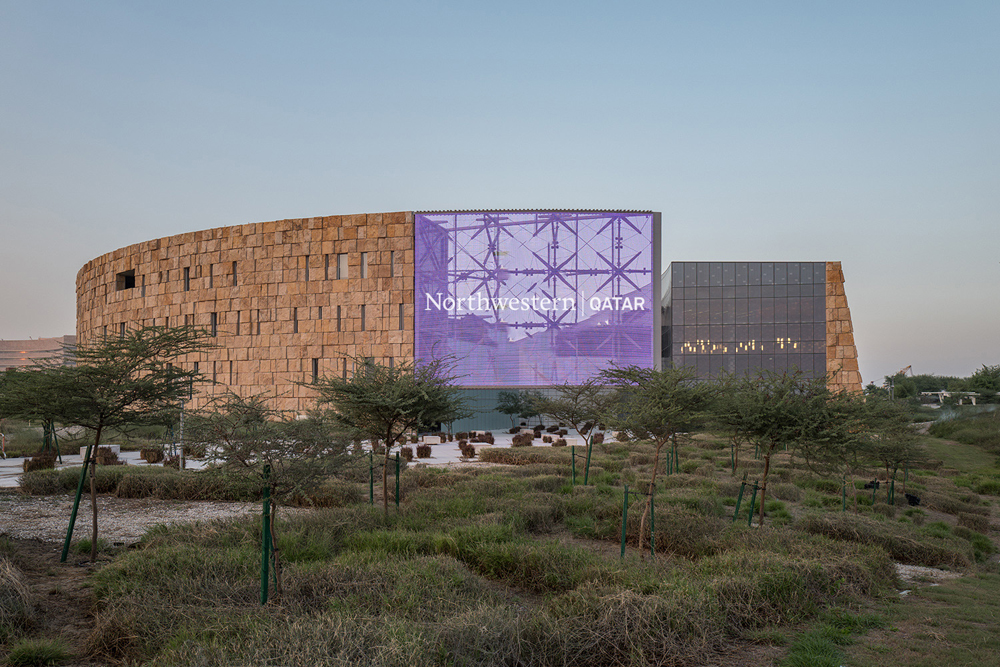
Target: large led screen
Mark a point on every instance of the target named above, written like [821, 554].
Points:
[534, 298]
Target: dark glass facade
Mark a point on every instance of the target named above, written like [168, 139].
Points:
[738, 317]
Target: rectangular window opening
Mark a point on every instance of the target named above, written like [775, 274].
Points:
[326, 266]
[295, 320]
[307, 267]
[362, 318]
[122, 330]
[234, 274]
[342, 266]
[320, 313]
[345, 368]
[187, 279]
[400, 317]
[392, 263]
[214, 324]
[238, 322]
[211, 276]
[338, 318]
[144, 286]
[364, 265]
[315, 370]
[125, 280]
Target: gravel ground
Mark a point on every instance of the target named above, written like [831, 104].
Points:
[121, 520]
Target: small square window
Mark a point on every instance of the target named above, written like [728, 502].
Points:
[125, 280]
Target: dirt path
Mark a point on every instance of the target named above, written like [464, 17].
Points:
[62, 598]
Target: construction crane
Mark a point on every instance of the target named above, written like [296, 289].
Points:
[890, 382]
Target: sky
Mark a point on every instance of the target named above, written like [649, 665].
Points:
[861, 132]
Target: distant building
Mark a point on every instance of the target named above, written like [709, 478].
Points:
[24, 353]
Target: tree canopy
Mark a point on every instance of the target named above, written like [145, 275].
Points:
[381, 403]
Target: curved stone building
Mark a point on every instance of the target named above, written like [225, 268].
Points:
[286, 301]
[521, 299]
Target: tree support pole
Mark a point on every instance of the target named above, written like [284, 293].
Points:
[586, 472]
[572, 450]
[739, 501]
[753, 503]
[76, 505]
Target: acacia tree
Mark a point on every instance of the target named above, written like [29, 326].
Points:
[382, 403]
[290, 457]
[117, 382]
[577, 404]
[889, 439]
[654, 405]
[780, 410]
[509, 403]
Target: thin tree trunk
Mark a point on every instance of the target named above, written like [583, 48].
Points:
[763, 486]
[93, 495]
[649, 498]
[274, 550]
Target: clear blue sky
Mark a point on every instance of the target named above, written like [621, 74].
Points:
[865, 132]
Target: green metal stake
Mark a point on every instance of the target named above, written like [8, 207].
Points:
[371, 478]
[652, 524]
[586, 471]
[753, 504]
[624, 517]
[677, 458]
[670, 462]
[739, 500]
[76, 505]
[397, 480]
[572, 450]
[265, 546]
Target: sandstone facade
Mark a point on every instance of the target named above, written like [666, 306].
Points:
[841, 353]
[286, 300]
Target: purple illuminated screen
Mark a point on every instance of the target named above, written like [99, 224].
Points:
[534, 298]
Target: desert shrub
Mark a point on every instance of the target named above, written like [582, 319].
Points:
[884, 509]
[827, 485]
[989, 487]
[37, 652]
[559, 443]
[406, 453]
[151, 454]
[900, 543]
[41, 461]
[976, 522]
[982, 546]
[423, 451]
[16, 607]
[950, 505]
[516, 457]
[681, 532]
[788, 492]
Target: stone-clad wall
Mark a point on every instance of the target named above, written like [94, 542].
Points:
[279, 311]
[841, 353]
